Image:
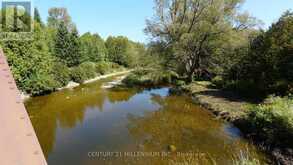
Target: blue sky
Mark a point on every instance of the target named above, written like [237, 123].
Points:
[127, 17]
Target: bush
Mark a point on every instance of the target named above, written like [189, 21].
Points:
[90, 69]
[116, 66]
[179, 83]
[61, 74]
[103, 67]
[149, 77]
[83, 72]
[78, 74]
[218, 81]
[246, 88]
[273, 121]
[132, 80]
[40, 84]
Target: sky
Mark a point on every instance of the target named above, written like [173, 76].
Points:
[127, 17]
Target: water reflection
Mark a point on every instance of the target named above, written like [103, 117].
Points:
[180, 123]
[71, 123]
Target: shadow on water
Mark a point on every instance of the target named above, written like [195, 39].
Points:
[72, 123]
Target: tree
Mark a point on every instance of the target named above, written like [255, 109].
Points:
[268, 63]
[74, 54]
[192, 29]
[117, 49]
[58, 15]
[67, 46]
[136, 53]
[92, 48]
[31, 63]
[37, 17]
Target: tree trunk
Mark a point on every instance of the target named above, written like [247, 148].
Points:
[190, 76]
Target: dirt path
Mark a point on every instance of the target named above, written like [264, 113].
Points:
[224, 104]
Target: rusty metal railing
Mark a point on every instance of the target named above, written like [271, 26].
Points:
[18, 142]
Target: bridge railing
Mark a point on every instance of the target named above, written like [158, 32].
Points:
[18, 142]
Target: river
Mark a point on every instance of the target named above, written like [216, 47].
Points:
[91, 125]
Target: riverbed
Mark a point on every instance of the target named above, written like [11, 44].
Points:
[95, 124]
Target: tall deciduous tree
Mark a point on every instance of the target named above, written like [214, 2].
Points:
[192, 29]
[117, 49]
[58, 15]
[92, 48]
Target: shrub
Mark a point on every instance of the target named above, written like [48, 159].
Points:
[39, 84]
[78, 74]
[179, 83]
[90, 69]
[218, 81]
[116, 66]
[103, 67]
[149, 77]
[132, 80]
[273, 121]
[83, 72]
[246, 88]
[61, 74]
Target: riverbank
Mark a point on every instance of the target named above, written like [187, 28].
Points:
[72, 84]
[229, 106]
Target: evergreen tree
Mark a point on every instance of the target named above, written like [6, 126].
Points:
[74, 56]
[61, 43]
[67, 46]
[37, 17]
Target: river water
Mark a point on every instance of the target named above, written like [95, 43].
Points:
[93, 125]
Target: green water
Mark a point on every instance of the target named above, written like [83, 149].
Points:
[91, 125]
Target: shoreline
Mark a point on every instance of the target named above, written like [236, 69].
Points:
[228, 106]
[72, 85]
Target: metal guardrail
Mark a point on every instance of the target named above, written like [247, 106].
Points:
[18, 142]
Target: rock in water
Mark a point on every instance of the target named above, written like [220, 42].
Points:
[172, 148]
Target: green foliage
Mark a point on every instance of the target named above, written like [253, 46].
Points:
[9, 20]
[269, 58]
[39, 84]
[190, 33]
[37, 17]
[179, 83]
[118, 50]
[90, 69]
[92, 48]
[218, 81]
[103, 67]
[78, 74]
[133, 80]
[273, 121]
[83, 72]
[61, 74]
[31, 63]
[148, 77]
[57, 54]
[67, 46]
[58, 16]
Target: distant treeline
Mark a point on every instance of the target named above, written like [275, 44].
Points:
[58, 54]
